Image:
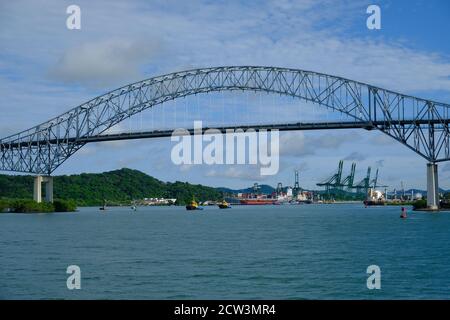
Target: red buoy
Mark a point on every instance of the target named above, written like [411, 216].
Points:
[403, 215]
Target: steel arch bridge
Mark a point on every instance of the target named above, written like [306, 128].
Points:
[420, 124]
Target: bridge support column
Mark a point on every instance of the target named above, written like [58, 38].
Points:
[49, 189]
[432, 187]
[37, 191]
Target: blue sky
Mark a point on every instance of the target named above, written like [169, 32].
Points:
[46, 69]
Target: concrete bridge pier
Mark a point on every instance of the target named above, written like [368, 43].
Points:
[37, 191]
[432, 186]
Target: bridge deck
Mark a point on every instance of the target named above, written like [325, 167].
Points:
[281, 127]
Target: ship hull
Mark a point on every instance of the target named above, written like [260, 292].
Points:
[257, 201]
[374, 203]
[193, 208]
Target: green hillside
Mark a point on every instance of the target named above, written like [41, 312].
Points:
[119, 186]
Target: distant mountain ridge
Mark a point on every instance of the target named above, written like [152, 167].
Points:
[118, 186]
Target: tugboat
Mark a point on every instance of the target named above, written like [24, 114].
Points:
[103, 208]
[133, 206]
[224, 205]
[193, 205]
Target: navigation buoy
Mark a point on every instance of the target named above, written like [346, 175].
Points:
[403, 215]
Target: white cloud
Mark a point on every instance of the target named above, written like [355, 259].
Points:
[185, 167]
[382, 140]
[105, 62]
[446, 167]
[355, 156]
[118, 40]
[379, 163]
[297, 143]
[244, 172]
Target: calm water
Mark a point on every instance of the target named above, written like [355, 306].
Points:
[269, 252]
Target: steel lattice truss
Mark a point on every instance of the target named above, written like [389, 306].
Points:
[420, 124]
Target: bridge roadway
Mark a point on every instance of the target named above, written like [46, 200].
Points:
[281, 127]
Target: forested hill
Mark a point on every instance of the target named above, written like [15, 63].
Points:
[114, 186]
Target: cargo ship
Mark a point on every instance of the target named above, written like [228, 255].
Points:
[255, 197]
[375, 198]
[278, 197]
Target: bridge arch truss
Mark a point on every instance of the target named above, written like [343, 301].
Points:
[420, 124]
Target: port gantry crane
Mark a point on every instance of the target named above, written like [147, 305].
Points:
[364, 185]
[334, 182]
[296, 189]
[337, 183]
[279, 188]
[375, 182]
[348, 181]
